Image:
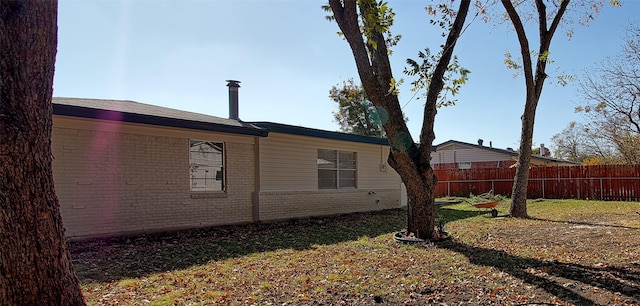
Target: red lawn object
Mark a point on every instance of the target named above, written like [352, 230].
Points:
[488, 205]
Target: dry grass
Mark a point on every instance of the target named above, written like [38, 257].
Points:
[570, 252]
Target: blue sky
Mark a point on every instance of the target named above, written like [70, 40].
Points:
[178, 54]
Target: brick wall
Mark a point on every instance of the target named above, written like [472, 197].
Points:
[111, 181]
[277, 205]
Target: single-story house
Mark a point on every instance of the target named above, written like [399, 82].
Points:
[454, 154]
[123, 167]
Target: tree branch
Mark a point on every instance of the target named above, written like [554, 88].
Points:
[435, 86]
[524, 42]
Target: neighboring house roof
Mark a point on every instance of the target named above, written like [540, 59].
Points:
[303, 131]
[135, 112]
[498, 150]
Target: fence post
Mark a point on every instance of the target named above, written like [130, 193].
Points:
[543, 183]
[601, 191]
[448, 188]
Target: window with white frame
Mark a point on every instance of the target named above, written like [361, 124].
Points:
[336, 169]
[206, 165]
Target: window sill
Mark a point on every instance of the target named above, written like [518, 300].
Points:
[208, 194]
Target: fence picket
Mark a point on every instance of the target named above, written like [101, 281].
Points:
[604, 182]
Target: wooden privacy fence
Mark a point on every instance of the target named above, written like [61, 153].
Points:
[609, 182]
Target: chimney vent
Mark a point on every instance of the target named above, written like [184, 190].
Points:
[233, 99]
[480, 141]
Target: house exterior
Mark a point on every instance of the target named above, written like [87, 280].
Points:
[454, 154]
[123, 167]
[329, 172]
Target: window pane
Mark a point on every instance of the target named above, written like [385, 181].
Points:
[205, 178]
[347, 179]
[206, 165]
[347, 160]
[327, 179]
[205, 152]
[327, 159]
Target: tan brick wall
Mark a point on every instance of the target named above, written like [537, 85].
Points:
[115, 181]
[278, 205]
[289, 179]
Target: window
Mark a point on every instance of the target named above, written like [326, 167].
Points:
[206, 161]
[464, 166]
[336, 169]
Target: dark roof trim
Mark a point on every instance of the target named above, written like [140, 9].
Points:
[303, 131]
[93, 113]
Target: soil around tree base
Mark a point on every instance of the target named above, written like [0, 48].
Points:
[403, 237]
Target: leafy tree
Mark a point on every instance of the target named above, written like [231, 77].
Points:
[35, 267]
[581, 144]
[355, 113]
[611, 94]
[365, 25]
[569, 143]
[533, 66]
[536, 151]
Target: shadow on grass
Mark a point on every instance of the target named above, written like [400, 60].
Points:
[450, 214]
[111, 259]
[564, 280]
[585, 223]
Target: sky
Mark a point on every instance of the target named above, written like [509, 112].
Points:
[287, 56]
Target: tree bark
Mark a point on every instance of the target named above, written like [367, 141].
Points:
[35, 266]
[411, 162]
[534, 83]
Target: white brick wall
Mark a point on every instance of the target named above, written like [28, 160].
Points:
[116, 182]
[280, 205]
[114, 178]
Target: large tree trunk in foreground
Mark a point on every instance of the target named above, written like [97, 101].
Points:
[35, 267]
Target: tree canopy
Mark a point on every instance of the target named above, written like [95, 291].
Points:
[610, 93]
[356, 114]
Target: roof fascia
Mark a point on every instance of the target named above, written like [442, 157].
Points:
[304, 131]
[93, 113]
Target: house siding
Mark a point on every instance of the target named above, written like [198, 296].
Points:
[116, 178]
[289, 185]
[465, 155]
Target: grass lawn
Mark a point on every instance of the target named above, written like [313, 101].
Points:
[569, 252]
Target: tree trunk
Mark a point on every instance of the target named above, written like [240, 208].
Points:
[519, 193]
[421, 207]
[534, 81]
[411, 162]
[35, 266]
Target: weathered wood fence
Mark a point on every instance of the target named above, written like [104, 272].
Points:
[609, 182]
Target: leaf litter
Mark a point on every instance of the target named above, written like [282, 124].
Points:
[557, 257]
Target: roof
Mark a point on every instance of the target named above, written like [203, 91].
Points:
[303, 131]
[503, 151]
[136, 112]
